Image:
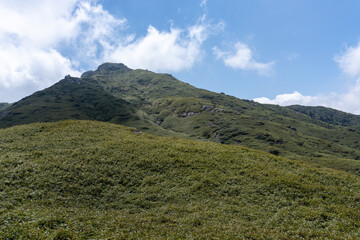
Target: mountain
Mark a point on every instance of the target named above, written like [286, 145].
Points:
[73, 98]
[69, 98]
[162, 105]
[3, 106]
[97, 180]
[328, 115]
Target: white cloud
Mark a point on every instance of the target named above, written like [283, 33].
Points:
[34, 35]
[348, 102]
[25, 70]
[173, 50]
[167, 51]
[289, 99]
[349, 62]
[243, 59]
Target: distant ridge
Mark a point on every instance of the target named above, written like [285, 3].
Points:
[328, 115]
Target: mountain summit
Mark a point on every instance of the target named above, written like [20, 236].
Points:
[106, 68]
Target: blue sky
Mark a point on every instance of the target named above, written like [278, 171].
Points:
[273, 51]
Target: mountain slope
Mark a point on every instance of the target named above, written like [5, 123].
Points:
[69, 98]
[162, 105]
[93, 180]
[3, 106]
[328, 115]
[199, 113]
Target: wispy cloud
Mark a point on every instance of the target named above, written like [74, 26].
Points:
[292, 56]
[242, 58]
[203, 3]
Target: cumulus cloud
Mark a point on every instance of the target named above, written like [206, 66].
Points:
[349, 101]
[349, 62]
[242, 59]
[289, 99]
[172, 50]
[35, 34]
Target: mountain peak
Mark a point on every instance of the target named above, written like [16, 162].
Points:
[108, 67]
[113, 67]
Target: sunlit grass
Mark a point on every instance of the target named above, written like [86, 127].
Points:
[93, 180]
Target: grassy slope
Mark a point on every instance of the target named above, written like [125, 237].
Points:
[3, 106]
[83, 179]
[333, 147]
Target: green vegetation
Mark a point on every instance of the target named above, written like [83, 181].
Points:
[334, 146]
[3, 106]
[96, 180]
[162, 105]
[328, 115]
[69, 98]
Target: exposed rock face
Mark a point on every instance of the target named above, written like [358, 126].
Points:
[188, 114]
[207, 107]
[70, 79]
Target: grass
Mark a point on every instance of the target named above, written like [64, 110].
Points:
[331, 147]
[3, 106]
[94, 180]
[328, 115]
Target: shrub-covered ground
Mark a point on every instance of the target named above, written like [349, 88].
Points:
[93, 180]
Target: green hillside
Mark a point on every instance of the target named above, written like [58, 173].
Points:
[75, 98]
[3, 106]
[328, 115]
[67, 99]
[162, 105]
[95, 180]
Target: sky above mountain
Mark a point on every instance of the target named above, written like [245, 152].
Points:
[273, 51]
